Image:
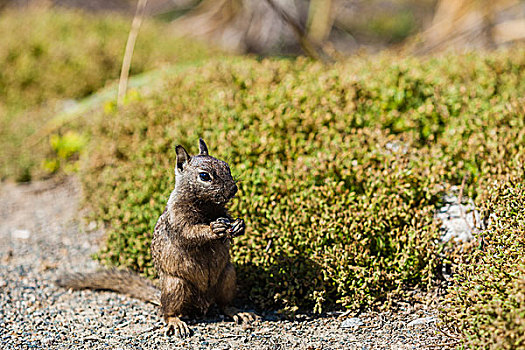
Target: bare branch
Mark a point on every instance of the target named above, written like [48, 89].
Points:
[311, 49]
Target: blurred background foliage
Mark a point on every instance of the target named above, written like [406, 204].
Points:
[341, 165]
[346, 26]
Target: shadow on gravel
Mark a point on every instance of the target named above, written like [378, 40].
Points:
[286, 281]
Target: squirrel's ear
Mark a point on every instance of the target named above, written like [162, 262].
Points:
[182, 157]
[203, 149]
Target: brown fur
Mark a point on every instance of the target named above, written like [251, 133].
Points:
[190, 247]
[122, 281]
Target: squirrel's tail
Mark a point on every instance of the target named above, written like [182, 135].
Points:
[121, 281]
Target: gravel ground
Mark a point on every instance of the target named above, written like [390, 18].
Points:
[41, 237]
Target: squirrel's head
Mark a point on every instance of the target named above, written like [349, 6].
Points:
[203, 178]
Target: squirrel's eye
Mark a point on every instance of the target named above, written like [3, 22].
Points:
[205, 177]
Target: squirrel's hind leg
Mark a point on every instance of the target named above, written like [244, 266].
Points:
[177, 327]
[176, 294]
[225, 294]
[238, 316]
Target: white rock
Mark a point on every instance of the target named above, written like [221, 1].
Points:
[458, 220]
[420, 321]
[92, 226]
[351, 322]
[21, 234]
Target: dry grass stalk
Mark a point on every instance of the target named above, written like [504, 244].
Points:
[130, 46]
[320, 20]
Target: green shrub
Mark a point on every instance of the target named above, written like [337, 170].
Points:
[340, 167]
[487, 302]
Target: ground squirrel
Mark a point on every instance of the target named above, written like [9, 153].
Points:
[190, 247]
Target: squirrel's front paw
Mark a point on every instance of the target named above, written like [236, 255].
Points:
[237, 228]
[221, 226]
